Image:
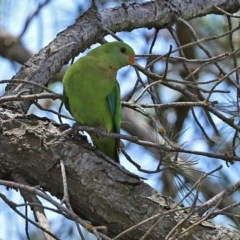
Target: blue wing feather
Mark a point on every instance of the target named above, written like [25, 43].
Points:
[115, 107]
[114, 103]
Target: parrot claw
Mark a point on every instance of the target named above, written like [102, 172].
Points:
[75, 132]
[100, 130]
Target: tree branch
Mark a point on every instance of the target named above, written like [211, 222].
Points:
[89, 29]
[39, 145]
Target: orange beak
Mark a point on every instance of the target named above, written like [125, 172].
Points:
[131, 59]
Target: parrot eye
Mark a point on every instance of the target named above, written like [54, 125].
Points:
[122, 49]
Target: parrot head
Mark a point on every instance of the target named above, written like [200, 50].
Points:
[119, 53]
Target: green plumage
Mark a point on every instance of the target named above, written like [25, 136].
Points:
[92, 94]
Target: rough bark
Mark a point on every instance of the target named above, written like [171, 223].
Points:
[100, 190]
[90, 28]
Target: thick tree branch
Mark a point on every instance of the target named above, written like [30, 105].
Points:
[89, 29]
[12, 48]
[39, 145]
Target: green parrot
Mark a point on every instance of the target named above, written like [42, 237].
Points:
[91, 92]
